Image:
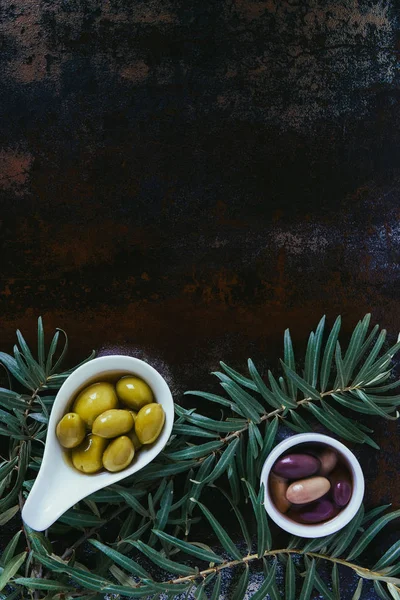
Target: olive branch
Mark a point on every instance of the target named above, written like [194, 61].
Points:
[153, 514]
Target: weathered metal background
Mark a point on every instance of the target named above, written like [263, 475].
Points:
[184, 180]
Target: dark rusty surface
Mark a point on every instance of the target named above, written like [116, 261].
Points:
[184, 180]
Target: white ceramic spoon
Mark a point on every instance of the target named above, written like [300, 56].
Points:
[58, 485]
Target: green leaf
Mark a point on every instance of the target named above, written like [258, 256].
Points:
[371, 532]
[28, 373]
[92, 582]
[77, 518]
[352, 404]
[137, 534]
[241, 520]
[212, 398]
[394, 591]
[380, 590]
[288, 357]
[33, 366]
[371, 404]
[163, 562]
[195, 451]
[11, 364]
[371, 357]
[317, 351]
[389, 557]
[352, 355]
[9, 550]
[220, 532]
[250, 466]
[60, 359]
[250, 407]
[23, 460]
[226, 459]
[241, 586]
[269, 440]
[308, 584]
[155, 470]
[309, 359]
[201, 476]
[266, 585]
[52, 349]
[34, 583]
[357, 593]
[183, 429]
[264, 539]
[290, 580]
[41, 348]
[347, 535]
[372, 514]
[240, 379]
[130, 499]
[305, 387]
[321, 585]
[273, 591]
[329, 351]
[253, 446]
[283, 399]
[261, 387]
[206, 423]
[14, 595]
[341, 375]
[165, 507]
[348, 432]
[11, 568]
[189, 548]
[39, 543]
[300, 423]
[217, 588]
[123, 561]
[8, 514]
[234, 481]
[385, 388]
[336, 582]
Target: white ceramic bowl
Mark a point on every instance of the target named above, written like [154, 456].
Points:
[338, 522]
[58, 485]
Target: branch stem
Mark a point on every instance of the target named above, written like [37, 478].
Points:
[278, 411]
[252, 557]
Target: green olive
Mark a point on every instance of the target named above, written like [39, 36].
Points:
[71, 430]
[134, 392]
[149, 423]
[112, 423]
[134, 439]
[88, 456]
[119, 454]
[94, 400]
[134, 414]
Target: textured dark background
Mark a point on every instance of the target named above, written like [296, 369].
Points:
[181, 180]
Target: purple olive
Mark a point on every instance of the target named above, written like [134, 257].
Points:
[318, 511]
[295, 466]
[341, 487]
[341, 492]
